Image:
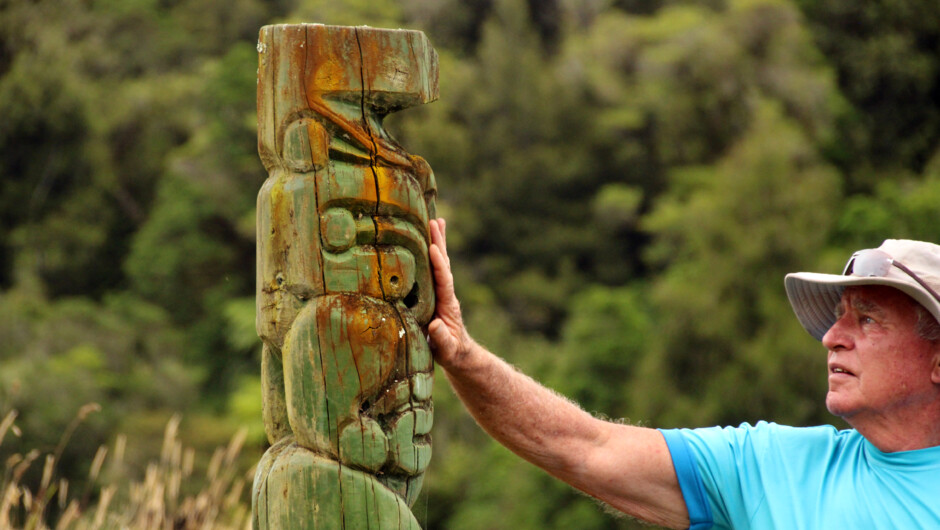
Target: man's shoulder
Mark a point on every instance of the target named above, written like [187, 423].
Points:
[814, 431]
[769, 429]
[818, 435]
[768, 437]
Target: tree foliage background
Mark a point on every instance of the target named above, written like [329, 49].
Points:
[626, 184]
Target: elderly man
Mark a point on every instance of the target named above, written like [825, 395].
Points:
[878, 320]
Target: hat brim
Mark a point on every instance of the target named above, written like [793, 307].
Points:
[814, 296]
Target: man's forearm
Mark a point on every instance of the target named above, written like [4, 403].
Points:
[626, 466]
[528, 418]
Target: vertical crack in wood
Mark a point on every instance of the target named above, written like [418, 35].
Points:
[373, 161]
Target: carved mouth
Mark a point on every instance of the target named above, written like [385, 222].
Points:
[409, 440]
[403, 395]
[419, 416]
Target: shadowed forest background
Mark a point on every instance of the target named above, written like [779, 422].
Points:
[625, 182]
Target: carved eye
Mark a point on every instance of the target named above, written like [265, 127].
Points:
[306, 145]
[338, 229]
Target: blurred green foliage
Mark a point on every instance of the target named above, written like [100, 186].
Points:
[626, 184]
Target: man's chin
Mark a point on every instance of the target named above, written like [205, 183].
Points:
[837, 406]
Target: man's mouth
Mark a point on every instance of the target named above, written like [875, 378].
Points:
[839, 370]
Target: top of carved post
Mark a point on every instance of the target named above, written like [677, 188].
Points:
[364, 73]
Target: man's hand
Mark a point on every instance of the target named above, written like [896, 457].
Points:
[448, 337]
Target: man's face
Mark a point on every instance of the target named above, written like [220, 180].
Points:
[879, 367]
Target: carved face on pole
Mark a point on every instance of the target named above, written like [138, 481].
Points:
[344, 281]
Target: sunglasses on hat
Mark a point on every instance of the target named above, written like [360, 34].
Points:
[875, 263]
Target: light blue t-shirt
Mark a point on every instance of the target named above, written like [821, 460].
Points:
[770, 476]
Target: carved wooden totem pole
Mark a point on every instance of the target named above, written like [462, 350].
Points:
[344, 280]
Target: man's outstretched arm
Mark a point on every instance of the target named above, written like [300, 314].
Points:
[627, 467]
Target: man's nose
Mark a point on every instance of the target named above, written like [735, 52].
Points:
[838, 337]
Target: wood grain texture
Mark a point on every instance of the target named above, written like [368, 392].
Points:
[344, 286]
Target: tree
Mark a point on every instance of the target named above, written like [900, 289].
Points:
[886, 56]
[726, 235]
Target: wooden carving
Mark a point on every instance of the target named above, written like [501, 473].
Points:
[344, 280]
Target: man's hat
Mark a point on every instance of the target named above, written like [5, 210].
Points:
[911, 266]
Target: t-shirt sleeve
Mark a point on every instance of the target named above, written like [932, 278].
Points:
[730, 462]
[690, 480]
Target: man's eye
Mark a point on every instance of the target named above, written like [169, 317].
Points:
[866, 320]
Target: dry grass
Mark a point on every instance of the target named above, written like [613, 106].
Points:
[156, 501]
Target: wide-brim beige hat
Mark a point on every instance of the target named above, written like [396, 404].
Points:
[814, 296]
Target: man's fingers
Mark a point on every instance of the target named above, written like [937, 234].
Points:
[435, 228]
[447, 304]
[446, 329]
[441, 267]
[438, 229]
[442, 224]
[443, 278]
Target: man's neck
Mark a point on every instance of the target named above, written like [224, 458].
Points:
[901, 432]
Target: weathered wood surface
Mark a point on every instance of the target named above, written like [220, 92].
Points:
[344, 280]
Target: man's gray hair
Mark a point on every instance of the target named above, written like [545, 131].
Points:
[927, 326]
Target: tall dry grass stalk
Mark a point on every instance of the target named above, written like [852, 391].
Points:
[157, 501]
